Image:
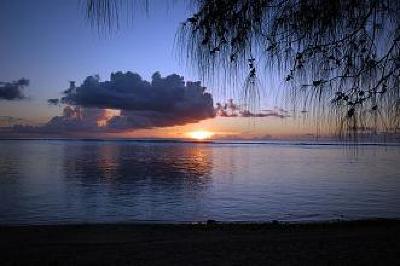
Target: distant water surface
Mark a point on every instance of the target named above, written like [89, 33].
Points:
[63, 181]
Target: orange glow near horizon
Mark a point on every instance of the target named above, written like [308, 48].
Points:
[226, 128]
[200, 134]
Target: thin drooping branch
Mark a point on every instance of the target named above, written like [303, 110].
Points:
[107, 14]
[340, 53]
[339, 60]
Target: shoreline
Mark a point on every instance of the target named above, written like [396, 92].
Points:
[304, 222]
[357, 242]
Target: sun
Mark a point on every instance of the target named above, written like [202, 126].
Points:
[200, 134]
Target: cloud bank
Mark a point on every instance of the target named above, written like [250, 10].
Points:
[127, 102]
[6, 120]
[13, 90]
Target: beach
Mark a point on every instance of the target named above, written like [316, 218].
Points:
[148, 202]
[368, 242]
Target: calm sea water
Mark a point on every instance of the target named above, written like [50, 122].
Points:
[61, 181]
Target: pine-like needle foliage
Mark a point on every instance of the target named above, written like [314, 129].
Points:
[339, 59]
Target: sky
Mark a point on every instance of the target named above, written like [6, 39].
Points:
[49, 43]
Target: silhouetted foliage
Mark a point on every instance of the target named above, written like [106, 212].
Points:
[344, 53]
[105, 14]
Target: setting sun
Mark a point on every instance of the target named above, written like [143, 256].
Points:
[200, 134]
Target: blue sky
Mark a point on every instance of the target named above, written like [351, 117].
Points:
[49, 42]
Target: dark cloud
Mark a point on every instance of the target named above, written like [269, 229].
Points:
[53, 101]
[129, 102]
[127, 91]
[231, 109]
[148, 119]
[73, 119]
[13, 90]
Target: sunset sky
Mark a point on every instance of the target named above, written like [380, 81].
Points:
[50, 43]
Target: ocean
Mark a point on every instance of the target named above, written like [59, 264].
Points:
[128, 181]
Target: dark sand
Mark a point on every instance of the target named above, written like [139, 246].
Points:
[341, 243]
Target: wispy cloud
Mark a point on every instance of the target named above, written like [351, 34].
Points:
[231, 109]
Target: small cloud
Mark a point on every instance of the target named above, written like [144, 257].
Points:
[53, 101]
[231, 109]
[13, 90]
